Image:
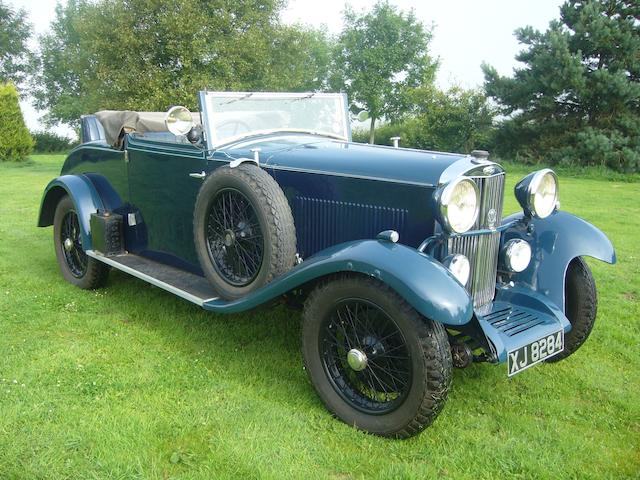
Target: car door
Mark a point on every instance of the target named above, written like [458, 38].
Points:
[164, 180]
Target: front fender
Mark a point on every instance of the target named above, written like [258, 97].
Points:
[555, 241]
[422, 281]
[85, 199]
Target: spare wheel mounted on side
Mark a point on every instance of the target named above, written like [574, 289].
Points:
[243, 229]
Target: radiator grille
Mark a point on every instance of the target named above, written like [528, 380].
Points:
[491, 198]
[482, 250]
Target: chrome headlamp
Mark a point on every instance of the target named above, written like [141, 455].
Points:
[537, 193]
[516, 255]
[458, 204]
[459, 266]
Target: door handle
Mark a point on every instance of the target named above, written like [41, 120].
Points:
[200, 175]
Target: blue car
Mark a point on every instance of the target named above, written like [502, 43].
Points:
[400, 259]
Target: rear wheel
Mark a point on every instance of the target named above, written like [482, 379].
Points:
[581, 305]
[76, 266]
[375, 362]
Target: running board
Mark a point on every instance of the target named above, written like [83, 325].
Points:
[189, 286]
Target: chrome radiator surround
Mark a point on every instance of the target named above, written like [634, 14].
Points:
[482, 249]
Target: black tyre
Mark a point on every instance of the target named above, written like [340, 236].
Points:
[581, 305]
[76, 267]
[243, 229]
[375, 362]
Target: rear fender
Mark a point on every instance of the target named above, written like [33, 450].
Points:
[85, 199]
[555, 241]
[422, 281]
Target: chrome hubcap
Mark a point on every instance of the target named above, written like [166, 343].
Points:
[357, 359]
[68, 244]
[229, 238]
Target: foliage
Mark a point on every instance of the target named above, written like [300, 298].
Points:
[15, 57]
[380, 56]
[457, 120]
[51, 142]
[134, 382]
[577, 99]
[15, 142]
[149, 55]
[564, 171]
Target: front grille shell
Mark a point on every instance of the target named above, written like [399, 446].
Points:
[482, 248]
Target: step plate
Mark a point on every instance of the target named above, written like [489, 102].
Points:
[189, 286]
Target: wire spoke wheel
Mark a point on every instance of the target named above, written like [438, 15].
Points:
[243, 230]
[234, 237]
[365, 356]
[376, 363]
[76, 266]
[74, 255]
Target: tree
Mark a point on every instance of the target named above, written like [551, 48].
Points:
[15, 57]
[15, 142]
[151, 54]
[577, 98]
[457, 120]
[380, 56]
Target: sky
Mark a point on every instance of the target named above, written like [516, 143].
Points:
[466, 33]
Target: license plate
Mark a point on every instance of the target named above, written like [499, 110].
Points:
[528, 355]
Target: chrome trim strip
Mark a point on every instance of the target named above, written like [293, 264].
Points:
[92, 146]
[327, 172]
[147, 278]
[348, 175]
[140, 148]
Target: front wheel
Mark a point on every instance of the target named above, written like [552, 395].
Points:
[375, 362]
[581, 305]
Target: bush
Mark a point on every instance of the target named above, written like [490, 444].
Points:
[616, 147]
[457, 120]
[50, 142]
[15, 142]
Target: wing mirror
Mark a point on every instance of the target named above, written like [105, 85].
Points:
[179, 121]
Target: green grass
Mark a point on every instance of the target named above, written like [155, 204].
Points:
[133, 382]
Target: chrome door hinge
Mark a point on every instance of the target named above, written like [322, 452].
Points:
[126, 156]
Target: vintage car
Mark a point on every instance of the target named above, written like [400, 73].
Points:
[400, 258]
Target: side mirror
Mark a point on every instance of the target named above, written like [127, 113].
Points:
[178, 120]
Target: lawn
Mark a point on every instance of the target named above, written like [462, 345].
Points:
[133, 382]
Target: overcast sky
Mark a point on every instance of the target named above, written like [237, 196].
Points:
[466, 32]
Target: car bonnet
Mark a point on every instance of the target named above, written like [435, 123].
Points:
[307, 153]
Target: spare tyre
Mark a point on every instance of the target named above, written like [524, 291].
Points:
[243, 229]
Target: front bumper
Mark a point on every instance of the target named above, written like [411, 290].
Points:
[517, 317]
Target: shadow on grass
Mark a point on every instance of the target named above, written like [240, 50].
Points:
[262, 345]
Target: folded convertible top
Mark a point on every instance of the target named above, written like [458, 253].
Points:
[116, 123]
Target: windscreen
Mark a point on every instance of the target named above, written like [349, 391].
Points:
[231, 116]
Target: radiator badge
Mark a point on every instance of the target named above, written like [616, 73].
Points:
[492, 216]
